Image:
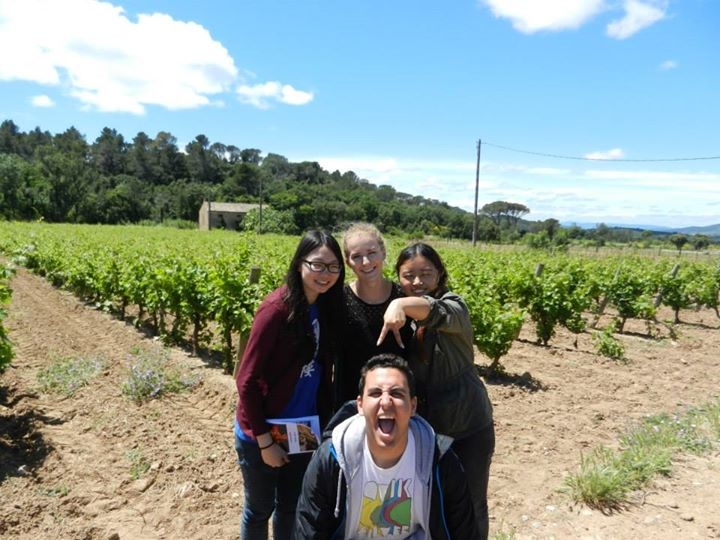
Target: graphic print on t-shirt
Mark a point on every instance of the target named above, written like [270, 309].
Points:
[386, 509]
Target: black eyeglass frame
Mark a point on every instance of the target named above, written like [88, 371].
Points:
[319, 266]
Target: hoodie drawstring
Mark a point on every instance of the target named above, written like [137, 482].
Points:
[336, 513]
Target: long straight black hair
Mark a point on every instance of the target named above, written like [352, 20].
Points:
[295, 297]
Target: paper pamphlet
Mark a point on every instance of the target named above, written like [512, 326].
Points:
[296, 435]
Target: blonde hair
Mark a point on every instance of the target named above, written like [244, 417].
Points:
[362, 227]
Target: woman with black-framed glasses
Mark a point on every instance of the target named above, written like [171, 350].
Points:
[286, 372]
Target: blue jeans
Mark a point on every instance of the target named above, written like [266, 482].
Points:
[268, 492]
[475, 453]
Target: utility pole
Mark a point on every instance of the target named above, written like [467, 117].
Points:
[477, 184]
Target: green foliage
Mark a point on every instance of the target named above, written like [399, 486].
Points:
[68, 375]
[504, 535]
[273, 221]
[6, 350]
[553, 299]
[704, 287]
[679, 241]
[606, 476]
[700, 242]
[139, 465]
[150, 375]
[675, 292]
[62, 178]
[193, 287]
[496, 326]
[606, 344]
[600, 482]
[630, 292]
[58, 491]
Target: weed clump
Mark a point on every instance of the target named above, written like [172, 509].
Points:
[150, 376]
[606, 477]
[68, 375]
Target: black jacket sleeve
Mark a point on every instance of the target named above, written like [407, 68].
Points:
[456, 518]
[315, 516]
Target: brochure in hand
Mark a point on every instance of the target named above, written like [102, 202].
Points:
[296, 435]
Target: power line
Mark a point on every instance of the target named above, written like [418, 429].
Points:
[582, 158]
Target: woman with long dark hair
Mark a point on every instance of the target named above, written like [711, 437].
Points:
[286, 372]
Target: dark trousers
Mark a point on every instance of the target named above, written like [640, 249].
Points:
[475, 453]
[268, 492]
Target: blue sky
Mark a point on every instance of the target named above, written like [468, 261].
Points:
[581, 105]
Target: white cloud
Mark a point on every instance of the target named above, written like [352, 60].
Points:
[638, 15]
[529, 17]
[667, 65]
[605, 193]
[92, 51]
[260, 95]
[357, 164]
[615, 153]
[546, 171]
[679, 181]
[42, 101]
[292, 96]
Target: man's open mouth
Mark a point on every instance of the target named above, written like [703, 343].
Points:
[386, 425]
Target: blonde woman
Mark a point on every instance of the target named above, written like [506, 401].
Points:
[366, 299]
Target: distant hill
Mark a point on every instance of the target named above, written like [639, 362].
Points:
[709, 230]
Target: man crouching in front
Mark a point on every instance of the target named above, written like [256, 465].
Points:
[384, 473]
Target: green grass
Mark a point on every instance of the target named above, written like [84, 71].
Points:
[57, 491]
[151, 375]
[138, 464]
[606, 477]
[67, 375]
[504, 535]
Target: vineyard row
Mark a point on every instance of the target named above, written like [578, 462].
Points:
[204, 285]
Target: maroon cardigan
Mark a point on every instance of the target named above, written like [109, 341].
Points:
[271, 364]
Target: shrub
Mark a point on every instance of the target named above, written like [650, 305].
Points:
[6, 351]
[68, 375]
[608, 345]
[150, 375]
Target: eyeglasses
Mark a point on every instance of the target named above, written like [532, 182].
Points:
[317, 266]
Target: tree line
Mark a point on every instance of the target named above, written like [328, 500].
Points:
[63, 178]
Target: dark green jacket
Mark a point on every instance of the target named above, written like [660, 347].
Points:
[451, 395]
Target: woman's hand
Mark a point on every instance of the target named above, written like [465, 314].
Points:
[394, 321]
[274, 455]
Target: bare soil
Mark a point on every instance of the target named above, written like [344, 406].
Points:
[66, 463]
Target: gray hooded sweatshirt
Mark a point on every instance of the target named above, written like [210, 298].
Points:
[348, 440]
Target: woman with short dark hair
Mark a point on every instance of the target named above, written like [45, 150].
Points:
[451, 395]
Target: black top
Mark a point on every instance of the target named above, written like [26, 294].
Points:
[363, 323]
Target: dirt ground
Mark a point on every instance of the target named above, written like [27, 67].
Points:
[65, 463]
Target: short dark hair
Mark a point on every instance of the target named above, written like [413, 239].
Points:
[387, 360]
[425, 250]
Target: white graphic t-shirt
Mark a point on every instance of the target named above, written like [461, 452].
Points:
[392, 500]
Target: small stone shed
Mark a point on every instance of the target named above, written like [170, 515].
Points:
[223, 215]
